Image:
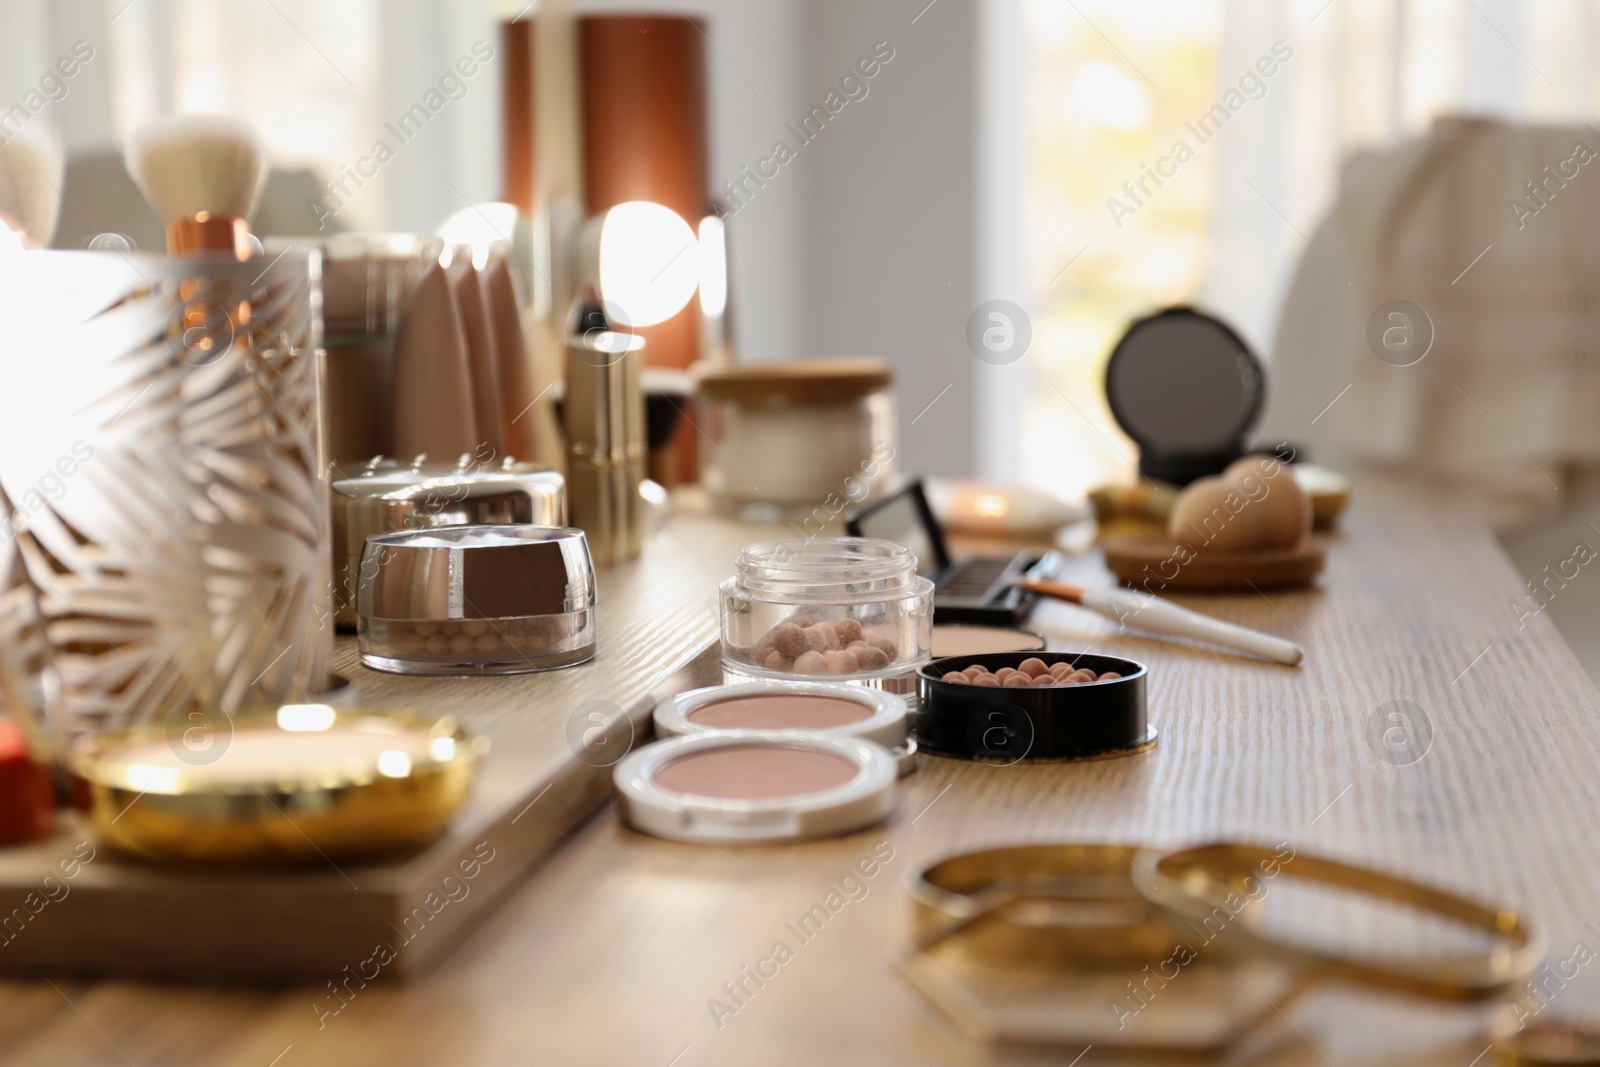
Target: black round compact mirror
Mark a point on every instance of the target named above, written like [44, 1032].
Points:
[1187, 389]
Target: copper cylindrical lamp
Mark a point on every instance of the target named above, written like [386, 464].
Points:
[604, 111]
[643, 83]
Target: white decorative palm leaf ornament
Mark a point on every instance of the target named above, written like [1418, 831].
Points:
[159, 446]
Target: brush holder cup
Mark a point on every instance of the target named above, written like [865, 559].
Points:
[159, 449]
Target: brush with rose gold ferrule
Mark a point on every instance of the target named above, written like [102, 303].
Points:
[203, 175]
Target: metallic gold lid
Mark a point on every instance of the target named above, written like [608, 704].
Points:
[475, 572]
[297, 782]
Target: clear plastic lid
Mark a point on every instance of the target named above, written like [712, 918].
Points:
[829, 570]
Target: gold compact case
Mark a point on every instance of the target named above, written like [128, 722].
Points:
[388, 495]
[287, 784]
[467, 600]
[1032, 943]
[1070, 902]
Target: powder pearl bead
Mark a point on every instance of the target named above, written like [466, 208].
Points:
[986, 680]
[487, 642]
[408, 641]
[438, 644]
[828, 637]
[474, 627]
[954, 676]
[811, 663]
[975, 670]
[461, 644]
[1017, 681]
[777, 661]
[789, 639]
[1109, 676]
[841, 662]
[1033, 667]
[848, 630]
[871, 659]
[426, 629]
[1005, 672]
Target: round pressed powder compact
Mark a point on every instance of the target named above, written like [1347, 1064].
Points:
[793, 707]
[743, 788]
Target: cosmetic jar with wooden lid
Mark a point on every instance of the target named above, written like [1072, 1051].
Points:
[785, 436]
[469, 600]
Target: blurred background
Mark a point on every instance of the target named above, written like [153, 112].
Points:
[978, 165]
[1021, 150]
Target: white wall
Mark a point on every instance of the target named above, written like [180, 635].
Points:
[890, 229]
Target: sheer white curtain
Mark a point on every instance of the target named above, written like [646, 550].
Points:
[318, 78]
[1368, 74]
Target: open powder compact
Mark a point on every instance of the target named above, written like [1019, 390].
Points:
[740, 787]
[792, 707]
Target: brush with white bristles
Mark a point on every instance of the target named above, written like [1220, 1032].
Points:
[203, 175]
[31, 168]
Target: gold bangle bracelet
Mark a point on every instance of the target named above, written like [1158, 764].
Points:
[1200, 882]
[1086, 905]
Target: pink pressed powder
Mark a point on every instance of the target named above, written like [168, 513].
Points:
[755, 772]
[980, 640]
[780, 711]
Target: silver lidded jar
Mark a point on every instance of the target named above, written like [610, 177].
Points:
[388, 495]
[487, 599]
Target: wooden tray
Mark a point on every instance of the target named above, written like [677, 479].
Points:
[119, 916]
[1151, 561]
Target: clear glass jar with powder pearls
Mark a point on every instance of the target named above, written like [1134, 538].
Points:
[826, 608]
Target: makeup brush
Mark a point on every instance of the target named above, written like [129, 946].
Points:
[203, 175]
[1151, 613]
[31, 166]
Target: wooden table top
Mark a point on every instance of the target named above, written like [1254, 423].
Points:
[611, 952]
